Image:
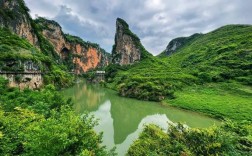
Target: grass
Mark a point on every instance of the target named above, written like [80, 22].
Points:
[222, 100]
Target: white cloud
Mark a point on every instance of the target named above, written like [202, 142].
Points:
[156, 22]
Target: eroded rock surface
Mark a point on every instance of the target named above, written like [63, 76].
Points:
[127, 48]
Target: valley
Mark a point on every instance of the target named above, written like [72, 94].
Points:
[194, 98]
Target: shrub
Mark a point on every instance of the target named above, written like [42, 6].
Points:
[228, 139]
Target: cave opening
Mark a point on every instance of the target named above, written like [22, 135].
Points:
[64, 53]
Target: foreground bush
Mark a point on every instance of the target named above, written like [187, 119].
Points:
[43, 123]
[229, 139]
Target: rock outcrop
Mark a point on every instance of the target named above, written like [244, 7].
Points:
[178, 43]
[48, 36]
[14, 16]
[52, 31]
[127, 48]
[84, 55]
[87, 57]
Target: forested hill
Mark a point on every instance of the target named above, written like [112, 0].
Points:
[219, 61]
[220, 55]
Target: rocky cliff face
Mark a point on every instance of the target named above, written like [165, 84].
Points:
[14, 15]
[52, 31]
[128, 48]
[86, 58]
[178, 43]
[84, 55]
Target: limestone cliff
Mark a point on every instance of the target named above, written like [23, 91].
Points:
[48, 36]
[84, 55]
[127, 48]
[14, 16]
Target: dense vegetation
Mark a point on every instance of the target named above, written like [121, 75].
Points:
[218, 56]
[209, 73]
[207, 70]
[15, 51]
[39, 122]
[8, 14]
[229, 139]
[43, 123]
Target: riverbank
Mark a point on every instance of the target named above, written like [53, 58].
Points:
[218, 100]
[221, 101]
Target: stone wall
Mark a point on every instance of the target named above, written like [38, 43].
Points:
[26, 80]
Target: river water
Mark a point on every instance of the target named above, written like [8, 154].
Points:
[122, 119]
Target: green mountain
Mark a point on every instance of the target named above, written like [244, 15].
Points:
[221, 55]
[204, 67]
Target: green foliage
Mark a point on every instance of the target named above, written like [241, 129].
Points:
[124, 23]
[63, 133]
[18, 50]
[38, 101]
[90, 75]
[217, 59]
[221, 55]
[23, 8]
[58, 77]
[152, 91]
[10, 41]
[7, 14]
[127, 31]
[42, 23]
[43, 123]
[111, 71]
[45, 46]
[18, 78]
[179, 43]
[224, 140]
[151, 77]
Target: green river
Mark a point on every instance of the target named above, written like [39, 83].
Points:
[122, 119]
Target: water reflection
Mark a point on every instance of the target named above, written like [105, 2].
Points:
[122, 119]
[105, 124]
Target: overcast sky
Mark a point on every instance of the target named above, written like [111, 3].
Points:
[156, 22]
